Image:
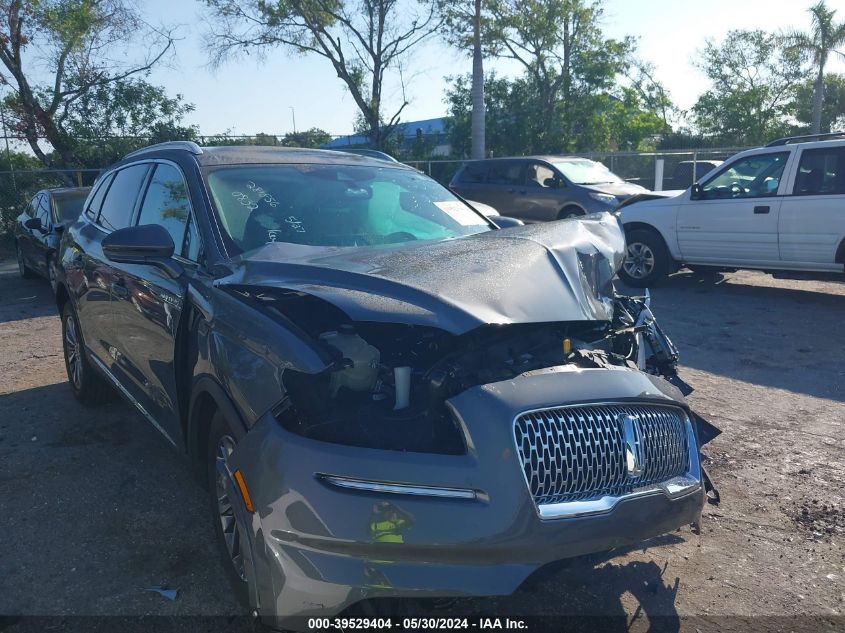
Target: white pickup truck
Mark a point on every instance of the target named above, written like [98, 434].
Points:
[779, 207]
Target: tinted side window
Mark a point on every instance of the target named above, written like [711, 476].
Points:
[821, 172]
[116, 212]
[751, 177]
[474, 173]
[505, 173]
[43, 210]
[191, 248]
[166, 203]
[32, 206]
[540, 176]
[93, 208]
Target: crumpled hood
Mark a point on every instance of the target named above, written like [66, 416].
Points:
[560, 271]
[621, 190]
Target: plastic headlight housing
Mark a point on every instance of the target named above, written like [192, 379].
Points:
[605, 198]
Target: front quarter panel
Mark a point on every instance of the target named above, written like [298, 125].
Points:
[661, 215]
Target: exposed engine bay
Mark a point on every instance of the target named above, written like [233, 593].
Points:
[387, 384]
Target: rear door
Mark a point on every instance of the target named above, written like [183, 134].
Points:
[735, 219]
[505, 188]
[147, 302]
[812, 216]
[24, 235]
[38, 240]
[542, 200]
[471, 181]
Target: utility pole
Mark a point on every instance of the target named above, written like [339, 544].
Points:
[293, 117]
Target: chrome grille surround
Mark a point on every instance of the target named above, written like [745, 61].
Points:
[576, 458]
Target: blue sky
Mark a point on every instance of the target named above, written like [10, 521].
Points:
[250, 95]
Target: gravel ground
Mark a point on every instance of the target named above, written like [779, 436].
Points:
[95, 506]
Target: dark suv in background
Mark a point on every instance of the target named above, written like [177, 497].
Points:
[39, 227]
[542, 188]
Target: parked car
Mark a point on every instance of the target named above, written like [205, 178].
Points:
[777, 207]
[386, 395]
[39, 227]
[540, 188]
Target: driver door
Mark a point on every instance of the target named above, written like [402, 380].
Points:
[734, 218]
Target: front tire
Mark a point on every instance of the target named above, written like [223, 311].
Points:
[53, 273]
[23, 269]
[88, 387]
[647, 260]
[230, 535]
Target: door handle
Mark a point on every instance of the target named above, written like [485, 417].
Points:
[119, 289]
[761, 209]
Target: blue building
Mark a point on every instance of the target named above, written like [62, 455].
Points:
[431, 131]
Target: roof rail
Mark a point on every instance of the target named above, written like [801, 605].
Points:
[807, 137]
[189, 146]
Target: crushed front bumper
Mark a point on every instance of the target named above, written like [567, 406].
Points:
[317, 547]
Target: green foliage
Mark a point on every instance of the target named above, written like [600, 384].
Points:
[55, 54]
[109, 121]
[833, 107]
[365, 41]
[754, 78]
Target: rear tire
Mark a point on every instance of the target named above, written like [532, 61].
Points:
[23, 269]
[647, 260]
[228, 531]
[87, 385]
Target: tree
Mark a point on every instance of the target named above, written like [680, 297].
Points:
[363, 40]
[463, 21]
[566, 58]
[824, 38]
[506, 130]
[111, 120]
[313, 138]
[754, 78]
[833, 107]
[74, 45]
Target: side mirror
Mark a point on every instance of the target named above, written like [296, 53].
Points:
[34, 224]
[551, 183]
[147, 244]
[695, 192]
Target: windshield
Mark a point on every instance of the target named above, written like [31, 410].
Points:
[69, 206]
[335, 205]
[586, 172]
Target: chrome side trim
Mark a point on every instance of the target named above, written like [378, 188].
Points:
[396, 488]
[107, 373]
[674, 488]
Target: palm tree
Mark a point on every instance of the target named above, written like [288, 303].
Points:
[478, 131]
[824, 38]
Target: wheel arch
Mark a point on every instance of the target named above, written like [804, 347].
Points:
[62, 297]
[644, 226]
[571, 205]
[840, 253]
[207, 397]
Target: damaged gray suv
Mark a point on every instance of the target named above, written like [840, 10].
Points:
[386, 394]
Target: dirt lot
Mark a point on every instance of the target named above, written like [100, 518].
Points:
[95, 506]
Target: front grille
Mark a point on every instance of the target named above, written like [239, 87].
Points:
[579, 453]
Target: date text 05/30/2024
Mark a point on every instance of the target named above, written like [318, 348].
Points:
[430, 624]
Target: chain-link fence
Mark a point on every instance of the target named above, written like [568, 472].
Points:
[680, 168]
